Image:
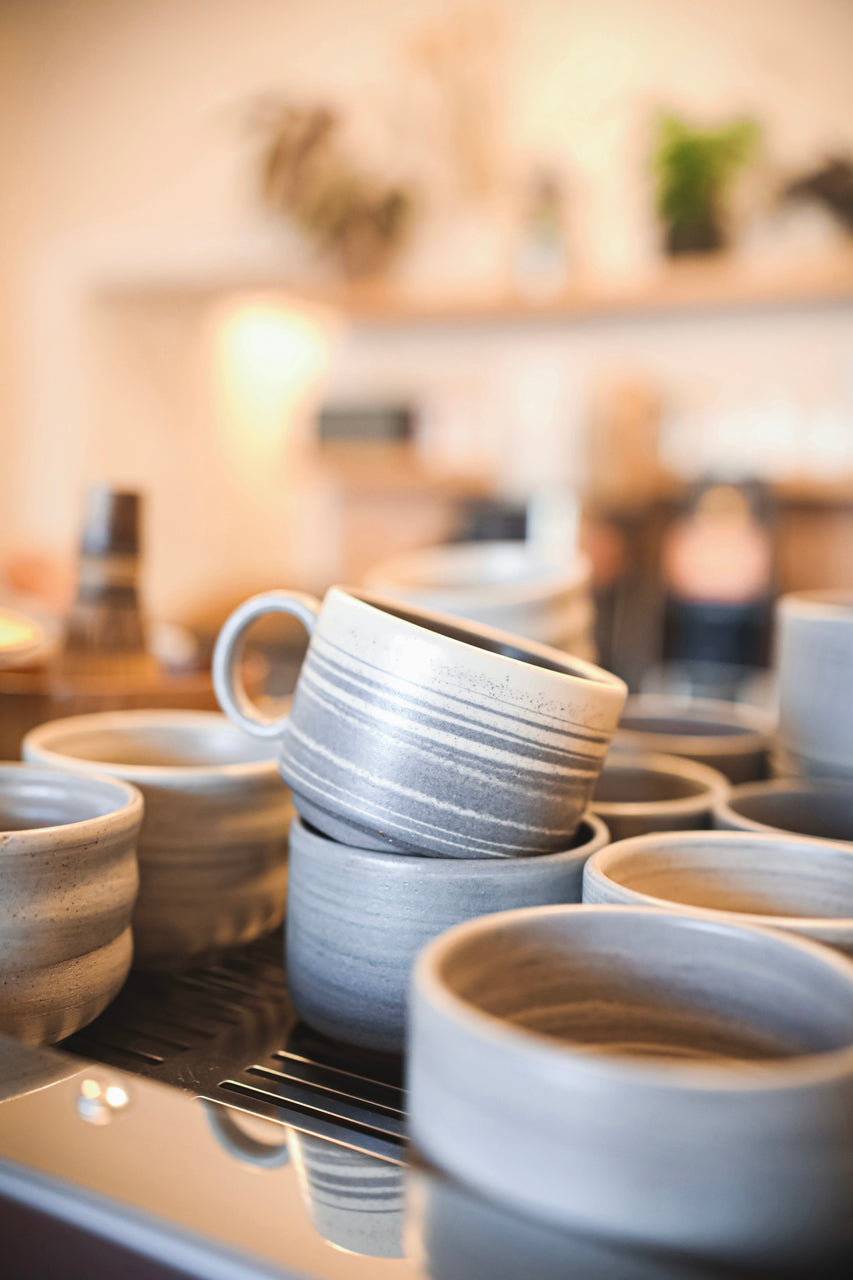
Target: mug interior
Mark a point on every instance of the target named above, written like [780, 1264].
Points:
[623, 784]
[803, 812]
[165, 746]
[32, 799]
[681, 726]
[637, 984]
[766, 879]
[458, 631]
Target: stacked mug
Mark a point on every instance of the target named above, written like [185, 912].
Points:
[440, 771]
[523, 587]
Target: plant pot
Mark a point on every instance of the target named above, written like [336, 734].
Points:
[700, 235]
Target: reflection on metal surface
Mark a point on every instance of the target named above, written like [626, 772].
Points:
[231, 1131]
[355, 1200]
[273, 1146]
[101, 1100]
[458, 1235]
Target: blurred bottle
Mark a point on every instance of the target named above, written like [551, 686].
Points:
[105, 632]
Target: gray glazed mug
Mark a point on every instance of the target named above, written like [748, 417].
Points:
[68, 882]
[815, 661]
[213, 846]
[728, 736]
[820, 810]
[644, 792]
[413, 731]
[646, 1075]
[357, 918]
[804, 887]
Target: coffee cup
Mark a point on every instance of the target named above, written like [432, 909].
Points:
[213, 846]
[413, 731]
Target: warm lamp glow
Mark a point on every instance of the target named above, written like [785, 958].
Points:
[269, 360]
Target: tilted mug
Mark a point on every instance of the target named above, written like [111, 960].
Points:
[414, 731]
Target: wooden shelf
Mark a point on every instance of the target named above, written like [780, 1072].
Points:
[719, 283]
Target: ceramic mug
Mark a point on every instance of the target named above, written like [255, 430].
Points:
[412, 731]
[213, 847]
[731, 737]
[638, 1074]
[798, 806]
[357, 918]
[68, 881]
[640, 792]
[815, 663]
[804, 887]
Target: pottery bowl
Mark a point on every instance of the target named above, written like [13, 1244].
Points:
[641, 1074]
[416, 732]
[815, 664]
[212, 852]
[357, 918]
[68, 880]
[801, 886]
[728, 736]
[640, 792]
[822, 810]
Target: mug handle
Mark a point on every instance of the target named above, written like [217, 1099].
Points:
[241, 1144]
[227, 681]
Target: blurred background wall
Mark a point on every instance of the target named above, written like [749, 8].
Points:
[160, 328]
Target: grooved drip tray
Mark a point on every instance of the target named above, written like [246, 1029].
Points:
[105, 1172]
[226, 1031]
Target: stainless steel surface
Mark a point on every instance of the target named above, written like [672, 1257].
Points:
[121, 1167]
[226, 1031]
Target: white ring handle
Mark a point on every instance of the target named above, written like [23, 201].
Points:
[227, 681]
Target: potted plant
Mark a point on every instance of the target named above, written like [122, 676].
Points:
[693, 170]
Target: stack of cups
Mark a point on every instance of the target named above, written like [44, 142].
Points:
[440, 771]
[521, 587]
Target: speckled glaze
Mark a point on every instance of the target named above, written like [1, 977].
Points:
[643, 1075]
[805, 807]
[514, 586]
[212, 853]
[640, 792]
[415, 732]
[357, 918]
[815, 665]
[801, 886]
[728, 736]
[68, 880]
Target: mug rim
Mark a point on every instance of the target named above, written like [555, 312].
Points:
[724, 809]
[831, 604]
[129, 811]
[652, 841]
[561, 666]
[37, 741]
[753, 727]
[715, 785]
[796, 1071]
[456, 868]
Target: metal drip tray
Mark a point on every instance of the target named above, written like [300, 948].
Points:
[227, 1032]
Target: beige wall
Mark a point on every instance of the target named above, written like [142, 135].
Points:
[128, 158]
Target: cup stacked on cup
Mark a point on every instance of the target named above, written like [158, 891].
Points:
[519, 587]
[440, 770]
